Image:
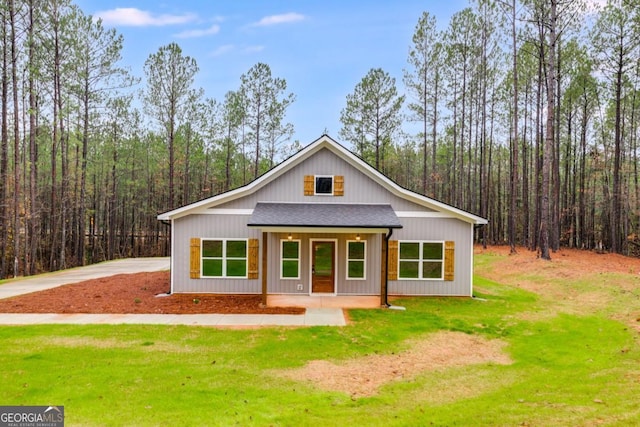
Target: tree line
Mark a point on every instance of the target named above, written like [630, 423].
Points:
[524, 112]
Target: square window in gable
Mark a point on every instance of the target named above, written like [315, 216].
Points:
[324, 185]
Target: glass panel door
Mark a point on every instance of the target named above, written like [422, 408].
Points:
[322, 267]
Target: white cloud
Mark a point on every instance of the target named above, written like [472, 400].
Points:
[132, 17]
[214, 29]
[228, 48]
[223, 50]
[253, 49]
[279, 19]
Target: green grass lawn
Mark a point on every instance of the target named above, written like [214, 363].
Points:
[573, 367]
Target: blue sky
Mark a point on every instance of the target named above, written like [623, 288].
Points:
[322, 49]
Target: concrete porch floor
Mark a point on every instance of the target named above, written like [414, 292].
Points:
[318, 301]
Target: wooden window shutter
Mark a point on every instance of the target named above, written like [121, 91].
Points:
[254, 261]
[338, 185]
[392, 272]
[449, 260]
[309, 185]
[194, 258]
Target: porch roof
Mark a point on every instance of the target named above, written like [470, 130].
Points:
[338, 216]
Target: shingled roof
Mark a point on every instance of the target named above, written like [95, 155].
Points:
[333, 215]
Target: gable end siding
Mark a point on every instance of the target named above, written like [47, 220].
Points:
[356, 187]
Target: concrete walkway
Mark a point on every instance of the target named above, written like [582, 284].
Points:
[25, 285]
[312, 317]
[20, 286]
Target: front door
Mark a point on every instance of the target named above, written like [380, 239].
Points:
[323, 267]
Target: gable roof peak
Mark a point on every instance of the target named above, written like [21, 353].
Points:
[324, 141]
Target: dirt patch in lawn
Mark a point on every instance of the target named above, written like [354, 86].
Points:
[134, 293]
[565, 263]
[574, 281]
[364, 376]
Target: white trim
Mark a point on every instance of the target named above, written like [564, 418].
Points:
[297, 259]
[399, 214]
[421, 214]
[420, 261]
[226, 212]
[364, 260]
[172, 258]
[315, 185]
[471, 261]
[335, 267]
[334, 230]
[224, 258]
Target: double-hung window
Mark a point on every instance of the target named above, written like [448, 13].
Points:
[290, 259]
[224, 258]
[356, 259]
[421, 260]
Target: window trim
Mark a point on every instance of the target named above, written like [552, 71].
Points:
[224, 257]
[282, 258]
[315, 185]
[364, 260]
[420, 260]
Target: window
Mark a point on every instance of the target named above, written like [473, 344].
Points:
[356, 259]
[324, 185]
[224, 258]
[290, 259]
[421, 260]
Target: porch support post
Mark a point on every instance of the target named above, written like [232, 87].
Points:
[264, 268]
[384, 280]
[383, 270]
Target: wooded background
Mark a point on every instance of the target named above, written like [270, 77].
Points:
[523, 112]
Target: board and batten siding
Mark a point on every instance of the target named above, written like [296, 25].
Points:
[289, 187]
[229, 220]
[369, 286]
[438, 229]
[209, 226]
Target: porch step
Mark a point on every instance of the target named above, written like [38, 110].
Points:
[317, 301]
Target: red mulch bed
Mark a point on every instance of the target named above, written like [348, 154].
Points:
[134, 293]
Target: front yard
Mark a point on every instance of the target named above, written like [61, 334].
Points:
[543, 344]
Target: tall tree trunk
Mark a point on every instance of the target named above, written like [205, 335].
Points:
[54, 216]
[549, 136]
[34, 208]
[4, 148]
[525, 174]
[513, 193]
[16, 140]
[434, 128]
[616, 216]
[172, 157]
[582, 214]
[555, 223]
[227, 160]
[256, 165]
[80, 249]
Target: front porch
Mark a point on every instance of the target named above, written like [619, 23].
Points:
[329, 301]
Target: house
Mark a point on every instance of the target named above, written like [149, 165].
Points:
[323, 222]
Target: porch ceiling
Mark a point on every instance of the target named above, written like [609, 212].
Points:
[326, 216]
